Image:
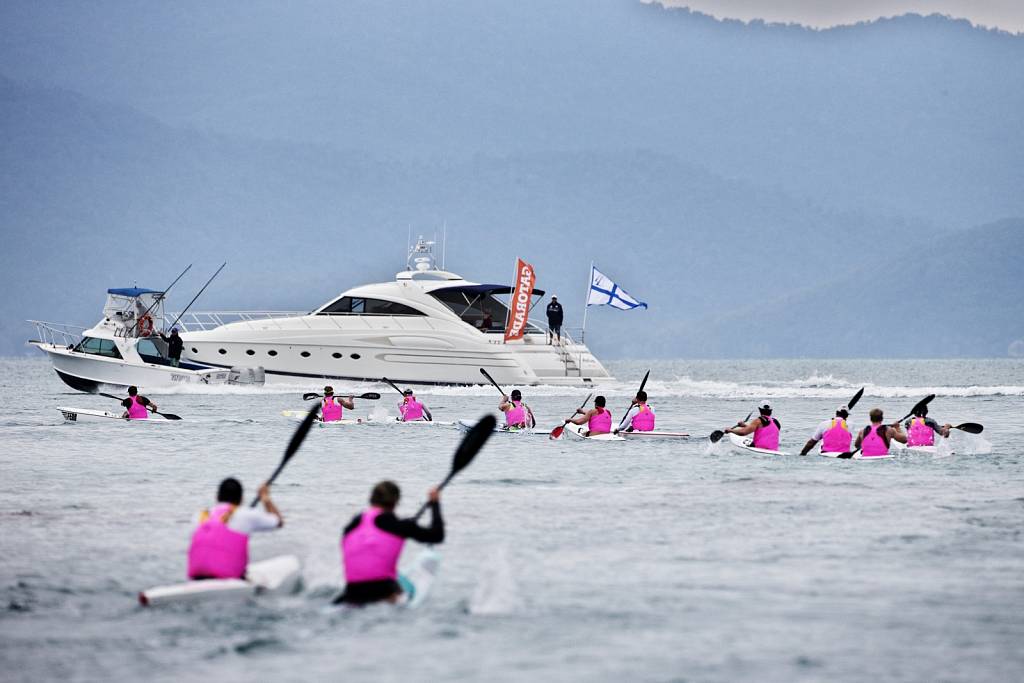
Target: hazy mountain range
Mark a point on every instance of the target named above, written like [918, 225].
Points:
[766, 189]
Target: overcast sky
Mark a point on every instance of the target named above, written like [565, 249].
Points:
[1004, 14]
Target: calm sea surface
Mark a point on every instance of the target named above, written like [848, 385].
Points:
[565, 560]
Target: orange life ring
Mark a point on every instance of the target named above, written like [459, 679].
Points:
[145, 325]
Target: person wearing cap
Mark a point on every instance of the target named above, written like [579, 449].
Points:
[517, 414]
[174, 346]
[331, 411]
[921, 429]
[412, 410]
[764, 427]
[640, 416]
[834, 434]
[555, 315]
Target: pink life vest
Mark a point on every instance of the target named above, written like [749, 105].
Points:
[920, 434]
[331, 409]
[600, 422]
[137, 411]
[411, 409]
[516, 416]
[767, 436]
[643, 421]
[217, 552]
[368, 553]
[874, 444]
[836, 438]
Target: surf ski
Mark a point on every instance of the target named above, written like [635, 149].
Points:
[578, 432]
[87, 415]
[466, 425]
[743, 445]
[277, 576]
[300, 415]
[643, 436]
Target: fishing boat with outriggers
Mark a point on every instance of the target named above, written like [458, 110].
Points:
[427, 326]
[126, 348]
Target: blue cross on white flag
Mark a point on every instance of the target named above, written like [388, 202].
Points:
[604, 292]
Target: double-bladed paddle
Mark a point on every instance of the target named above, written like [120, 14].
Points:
[970, 427]
[919, 405]
[119, 399]
[293, 446]
[502, 392]
[467, 450]
[557, 431]
[717, 435]
[642, 385]
[430, 418]
[849, 407]
[368, 396]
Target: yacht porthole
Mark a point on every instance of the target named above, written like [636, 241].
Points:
[304, 354]
[271, 353]
[250, 352]
[222, 351]
[354, 356]
[335, 355]
[195, 350]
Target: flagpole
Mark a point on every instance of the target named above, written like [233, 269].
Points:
[511, 303]
[590, 282]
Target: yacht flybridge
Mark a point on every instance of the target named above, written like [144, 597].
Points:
[428, 326]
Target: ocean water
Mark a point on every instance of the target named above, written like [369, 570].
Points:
[672, 561]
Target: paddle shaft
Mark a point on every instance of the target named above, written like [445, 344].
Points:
[198, 294]
[630, 407]
[157, 300]
[293, 446]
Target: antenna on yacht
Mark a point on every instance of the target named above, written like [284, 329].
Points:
[197, 295]
[408, 247]
[444, 246]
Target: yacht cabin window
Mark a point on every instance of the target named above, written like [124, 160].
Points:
[353, 305]
[98, 347]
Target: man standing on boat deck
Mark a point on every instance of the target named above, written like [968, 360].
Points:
[220, 543]
[137, 407]
[835, 434]
[555, 315]
[372, 543]
[174, 346]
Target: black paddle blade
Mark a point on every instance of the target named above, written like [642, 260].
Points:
[716, 436]
[472, 443]
[644, 382]
[369, 396]
[310, 396]
[172, 416]
[856, 397]
[847, 455]
[922, 403]
[970, 427]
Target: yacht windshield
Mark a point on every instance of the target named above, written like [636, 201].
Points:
[98, 347]
[354, 305]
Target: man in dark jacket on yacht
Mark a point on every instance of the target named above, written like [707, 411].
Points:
[174, 346]
[554, 312]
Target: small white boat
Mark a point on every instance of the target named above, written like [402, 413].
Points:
[277, 576]
[644, 436]
[87, 415]
[578, 432]
[466, 425]
[743, 444]
[124, 349]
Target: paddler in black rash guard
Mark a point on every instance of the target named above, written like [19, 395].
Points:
[372, 543]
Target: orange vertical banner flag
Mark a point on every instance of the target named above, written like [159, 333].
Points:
[519, 305]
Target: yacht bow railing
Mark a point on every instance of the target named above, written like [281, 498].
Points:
[208, 320]
[58, 334]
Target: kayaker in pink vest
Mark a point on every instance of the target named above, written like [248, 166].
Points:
[640, 416]
[835, 434]
[874, 439]
[764, 427]
[137, 407]
[517, 414]
[411, 409]
[331, 408]
[921, 429]
[372, 543]
[220, 542]
[597, 419]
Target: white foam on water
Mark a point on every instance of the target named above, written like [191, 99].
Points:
[497, 592]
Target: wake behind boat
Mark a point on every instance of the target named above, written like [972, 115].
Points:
[427, 326]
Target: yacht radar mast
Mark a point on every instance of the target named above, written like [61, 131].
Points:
[421, 256]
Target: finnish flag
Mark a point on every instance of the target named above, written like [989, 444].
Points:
[604, 292]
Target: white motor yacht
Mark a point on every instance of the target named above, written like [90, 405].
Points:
[427, 326]
[125, 348]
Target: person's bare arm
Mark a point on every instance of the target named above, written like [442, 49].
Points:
[581, 419]
[268, 504]
[743, 430]
[505, 404]
[347, 402]
[896, 433]
[860, 438]
[808, 446]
